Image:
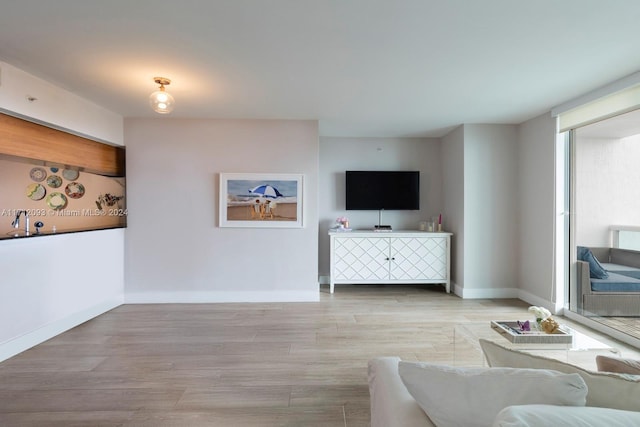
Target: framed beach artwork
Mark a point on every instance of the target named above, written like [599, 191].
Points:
[265, 200]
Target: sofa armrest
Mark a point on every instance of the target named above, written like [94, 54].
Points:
[391, 403]
[583, 281]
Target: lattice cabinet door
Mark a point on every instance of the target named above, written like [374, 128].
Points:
[419, 258]
[361, 259]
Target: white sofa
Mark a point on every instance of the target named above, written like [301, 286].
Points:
[611, 399]
[391, 403]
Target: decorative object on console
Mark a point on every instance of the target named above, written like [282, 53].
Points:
[342, 222]
[431, 225]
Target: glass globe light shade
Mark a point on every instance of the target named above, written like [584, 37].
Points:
[161, 101]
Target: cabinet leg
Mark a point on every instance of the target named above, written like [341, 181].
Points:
[331, 286]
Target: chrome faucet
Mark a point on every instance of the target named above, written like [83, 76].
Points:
[16, 221]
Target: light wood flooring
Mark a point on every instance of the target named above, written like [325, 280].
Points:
[256, 364]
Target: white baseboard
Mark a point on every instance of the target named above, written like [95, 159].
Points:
[540, 302]
[220, 297]
[18, 345]
[498, 293]
[489, 293]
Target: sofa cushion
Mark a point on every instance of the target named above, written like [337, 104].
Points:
[624, 257]
[625, 270]
[618, 365]
[606, 390]
[454, 396]
[596, 270]
[565, 416]
[615, 283]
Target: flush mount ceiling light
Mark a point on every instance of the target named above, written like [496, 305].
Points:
[161, 101]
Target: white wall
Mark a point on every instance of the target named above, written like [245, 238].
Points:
[490, 211]
[338, 155]
[175, 250]
[607, 192]
[536, 194]
[499, 190]
[453, 196]
[53, 283]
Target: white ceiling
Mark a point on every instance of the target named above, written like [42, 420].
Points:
[372, 68]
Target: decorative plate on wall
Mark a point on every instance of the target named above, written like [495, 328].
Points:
[70, 175]
[38, 174]
[75, 190]
[57, 201]
[54, 181]
[36, 191]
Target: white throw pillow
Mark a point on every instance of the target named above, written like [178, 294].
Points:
[453, 396]
[565, 416]
[606, 390]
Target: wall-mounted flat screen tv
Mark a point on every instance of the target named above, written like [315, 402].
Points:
[377, 190]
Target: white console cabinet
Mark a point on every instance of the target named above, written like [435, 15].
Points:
[389, 257]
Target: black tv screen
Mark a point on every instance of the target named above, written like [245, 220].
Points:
[377, 190]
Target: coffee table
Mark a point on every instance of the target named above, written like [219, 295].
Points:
[581, 351]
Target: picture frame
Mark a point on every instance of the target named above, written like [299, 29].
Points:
[261, 200]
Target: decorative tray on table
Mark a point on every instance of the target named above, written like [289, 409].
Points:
[511, 330]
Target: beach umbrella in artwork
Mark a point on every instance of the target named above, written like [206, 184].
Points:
[266, 191]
